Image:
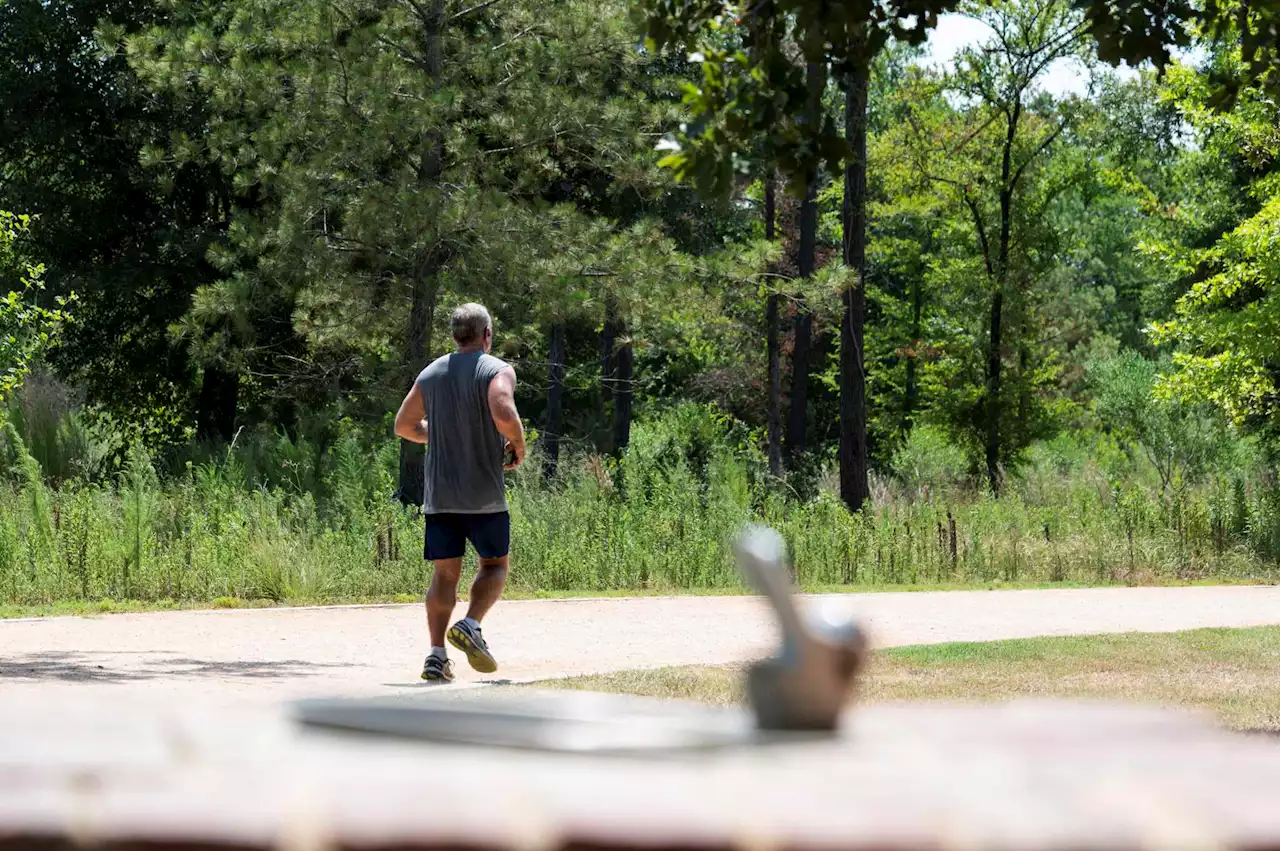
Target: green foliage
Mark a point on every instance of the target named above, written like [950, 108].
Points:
[67, 440]
[1183, 441]
[930, 459]
[754, 97]
[1136, 31]
[309, 186]
[392, 157]
[131, 249]
[1229, 322]
[661, 519]
[1227, 314]
[27, 328]
[973, 173]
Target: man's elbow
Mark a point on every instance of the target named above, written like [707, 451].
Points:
[506, 417]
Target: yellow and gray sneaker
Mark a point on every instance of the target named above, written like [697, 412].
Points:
[466, 636]
[437, 669]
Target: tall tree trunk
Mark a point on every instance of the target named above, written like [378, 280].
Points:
[797, 415]
[555, 402]
[912, 395]
[773, 414]
[917, 335]
[855, 488]
[623, 390]
[802, 352]
[608, 338]
[609, 334]
[425, 279]
[217, 405]
[994, 362]
[771, 341]
[995, 354]
[421, 316]
[1024, 361]
[995, 341]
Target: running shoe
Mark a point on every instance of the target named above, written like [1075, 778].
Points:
[470, 641]
[437, 670]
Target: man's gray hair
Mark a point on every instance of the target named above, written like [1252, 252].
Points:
[468, 323]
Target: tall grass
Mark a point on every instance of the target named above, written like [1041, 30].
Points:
[290, 520]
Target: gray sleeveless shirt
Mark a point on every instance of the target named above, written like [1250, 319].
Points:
[464, 447]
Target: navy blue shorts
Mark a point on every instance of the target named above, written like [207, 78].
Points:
[447, 535]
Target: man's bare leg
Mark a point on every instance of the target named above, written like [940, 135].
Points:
[442, 597]
[486, 589]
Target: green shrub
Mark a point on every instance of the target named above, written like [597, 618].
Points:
[276, 519]
[929, 458]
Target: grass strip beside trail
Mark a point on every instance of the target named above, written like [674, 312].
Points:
[1233, 674]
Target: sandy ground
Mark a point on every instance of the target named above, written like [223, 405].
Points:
[267, 656]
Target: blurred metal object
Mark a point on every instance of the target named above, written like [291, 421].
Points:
[566, 722]
[805, 687]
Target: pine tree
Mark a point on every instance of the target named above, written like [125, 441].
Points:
[388, 156]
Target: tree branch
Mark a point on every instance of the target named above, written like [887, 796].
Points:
[479, 7]
[1054, 50]
[982, 234]
[400, 50]
[524, 32]
[969, 138]
[1040, 149]
[423, 15]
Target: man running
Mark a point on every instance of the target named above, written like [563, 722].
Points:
[463, 407]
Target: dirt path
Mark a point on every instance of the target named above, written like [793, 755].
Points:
[272, 655]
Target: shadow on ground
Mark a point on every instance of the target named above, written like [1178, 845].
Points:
[84, 667]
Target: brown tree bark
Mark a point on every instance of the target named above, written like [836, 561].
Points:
[995, 321]
[425, 280]
[806, 260]
[217, 404]
[611, 378]
[912, 394]
[608, 340]
[855, 487]
[555, 402]
[802, 325]
[624, 369]
[774, 414]
[422, 309]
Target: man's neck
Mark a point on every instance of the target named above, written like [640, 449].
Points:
[469, 350]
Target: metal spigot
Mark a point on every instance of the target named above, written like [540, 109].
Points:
[806, 685]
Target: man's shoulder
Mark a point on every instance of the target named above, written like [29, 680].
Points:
[493, 365]
[436, 367]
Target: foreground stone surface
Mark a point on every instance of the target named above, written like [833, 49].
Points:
[264, 657]
[153, 774]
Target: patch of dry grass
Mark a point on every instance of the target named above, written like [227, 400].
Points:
[1232, 673]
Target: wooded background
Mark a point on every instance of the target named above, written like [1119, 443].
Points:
[770, 240]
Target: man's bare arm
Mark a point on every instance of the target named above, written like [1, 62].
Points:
[411, 419]
[502, 407]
